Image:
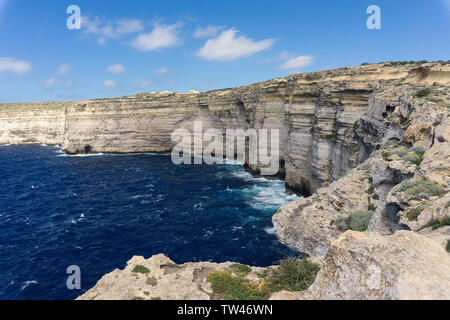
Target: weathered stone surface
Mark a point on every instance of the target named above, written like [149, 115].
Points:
[165, 280]
[368, 265]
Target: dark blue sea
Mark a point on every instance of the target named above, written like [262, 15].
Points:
[99, 211]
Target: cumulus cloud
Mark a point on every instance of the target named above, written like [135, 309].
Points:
[162, 36]
[161, 71]
[127, 26]
[63, 69]
[12, 65]
[116, 69]
[209, 31]
[228, 46]
[105, 29]
[297, 63]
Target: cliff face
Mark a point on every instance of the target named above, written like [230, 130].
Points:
[315, 113]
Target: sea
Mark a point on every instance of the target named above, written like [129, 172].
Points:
[98, 211]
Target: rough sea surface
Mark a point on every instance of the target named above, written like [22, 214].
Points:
[99, 211]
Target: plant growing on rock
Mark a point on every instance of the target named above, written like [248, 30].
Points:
[420, 188]
[292, 275]
[414, 213]
[356, 221]
[140, 269]
[229, 287]
[240, 269]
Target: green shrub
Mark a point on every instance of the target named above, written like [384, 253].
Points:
[292, 275]
[414, 155]
[386, 155]
[140, 269]
[241, 269]
[436, 224]
[423, 93]
[229, 287]
[448, 246]
[421, 188]
[357, 221]
[413, 214]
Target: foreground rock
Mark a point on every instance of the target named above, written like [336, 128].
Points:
[159, 278]
[403, 266]
[366, 266]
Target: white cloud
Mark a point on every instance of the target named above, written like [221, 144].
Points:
[296, 63]
[209, 31]
[127, 26]
[227, 46]
[50, 83]
[105, 29]
[109, 84]
[162, 36]
[64, 69]
[116, 69]
[161, 71]
[12, 65]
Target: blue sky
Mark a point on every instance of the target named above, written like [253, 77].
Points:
[126, 47]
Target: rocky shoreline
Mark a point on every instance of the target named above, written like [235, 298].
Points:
[370, 144]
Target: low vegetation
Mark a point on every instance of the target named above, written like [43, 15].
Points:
[292, 274]
[413, 214]
[423, 93]
[241, 269]
[413, 155]
[436, 224]
[421, 188]
[140, 269]
[448, 246]
[356, 221]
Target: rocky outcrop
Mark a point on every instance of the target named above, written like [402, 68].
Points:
[160, 278]
[403, 185]
[403, 266]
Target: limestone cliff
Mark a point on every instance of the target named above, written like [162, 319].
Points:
[315, 113]
[370, 144]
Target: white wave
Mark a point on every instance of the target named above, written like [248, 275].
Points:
[139, 196]
[27, 283]
[269, 230]
[81, 155]
[272, 196]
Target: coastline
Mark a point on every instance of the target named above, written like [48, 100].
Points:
[369, 140]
